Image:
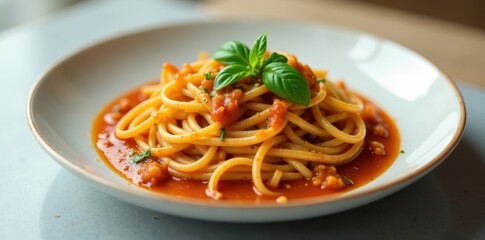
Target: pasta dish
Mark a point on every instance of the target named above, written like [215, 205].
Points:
[243, 115]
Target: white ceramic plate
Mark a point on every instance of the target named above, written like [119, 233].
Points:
[425, 103]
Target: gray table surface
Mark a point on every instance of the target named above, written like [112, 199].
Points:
[39, 199]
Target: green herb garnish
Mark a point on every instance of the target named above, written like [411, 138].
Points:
[322, 80]
[347, 181]
[222, 135]
[141, 156]
[205, 90]
[208, 76]
[281, 79]
[402, 151]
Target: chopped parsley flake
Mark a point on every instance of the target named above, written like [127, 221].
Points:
[141, 156]
[208, 76]
[222, 136]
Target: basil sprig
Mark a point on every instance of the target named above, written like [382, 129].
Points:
[280, 78]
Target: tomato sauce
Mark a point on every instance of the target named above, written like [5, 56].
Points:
[225, 107]
[366, 167]
[277, 113]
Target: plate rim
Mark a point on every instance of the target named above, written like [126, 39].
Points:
[349, 196]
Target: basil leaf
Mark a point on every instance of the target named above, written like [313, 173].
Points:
[257, 52]
[142, 156]
[232, 52]
[274, 57]
[286, 82]
[231, 74]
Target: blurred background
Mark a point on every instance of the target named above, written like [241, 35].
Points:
[450, 33]
[466, 12]
[14, 12]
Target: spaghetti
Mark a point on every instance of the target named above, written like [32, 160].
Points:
[243, 132]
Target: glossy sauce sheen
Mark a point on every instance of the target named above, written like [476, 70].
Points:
[116, 154]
